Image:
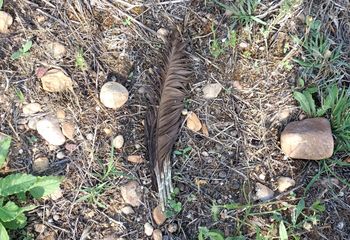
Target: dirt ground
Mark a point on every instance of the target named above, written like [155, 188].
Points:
[120, 43]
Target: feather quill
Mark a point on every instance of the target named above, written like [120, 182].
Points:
[162, 124]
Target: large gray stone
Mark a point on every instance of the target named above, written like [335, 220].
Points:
[309, 139]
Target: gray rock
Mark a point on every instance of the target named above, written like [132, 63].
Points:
[309, 139]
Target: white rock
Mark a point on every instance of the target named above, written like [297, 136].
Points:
[118, 141]
[172, 227]
[113, 95]
[55, 80]
[50, 130]
[40, 164]
[56, 49]
[212, 90]
[148, 229]
[5, 22]
[263, 193]
[127, 210]
[283, 183]
[32, 123]
[162, 32]
[60, 155]
[31, 108]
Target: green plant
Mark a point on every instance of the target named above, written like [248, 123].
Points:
[23, 51]
[18, 186]
[243, 11]
[185, 153]
[212, 234]
[173, 207]
[301, 216]
[335, 102]
[93, 195]
[20, 95]
[1, 3]
[317, 50]
[80, 60]
[218, 47]
[127, 21]
[4, 148]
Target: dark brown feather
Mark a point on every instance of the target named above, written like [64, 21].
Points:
[162, 125]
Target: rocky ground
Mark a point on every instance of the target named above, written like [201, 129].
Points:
[63, 62]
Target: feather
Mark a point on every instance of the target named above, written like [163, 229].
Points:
[162, 124]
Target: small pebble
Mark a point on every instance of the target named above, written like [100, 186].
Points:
[31, 108]
[135, 159]
[131, 193]
[148, 229]
[90, 136]
[157, 235]
[263, 193]
[60, 155]
[172, 227]
[283, 183]
[205, 154]
[184, 112]
[40, 164]
[39, 228]
[127, 210]
[137, 146]
[32, 123]
[212, 90]
[118, 142]
[158, 215]
[340, 225]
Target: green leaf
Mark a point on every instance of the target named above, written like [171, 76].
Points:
[9, 212]
[303, 101]
[16, 55]
[300, 207]
[215, 210]
[26, 47]
[4, 149]
[282, 231]
[45, 186]
[1, 3]
[318, 206]
[3, 233]
[215, 235]
[19, 222]
[177, 152]
[16, 183]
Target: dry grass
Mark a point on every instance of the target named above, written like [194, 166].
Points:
[119, 42]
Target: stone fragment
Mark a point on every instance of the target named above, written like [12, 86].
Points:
[158, 215]
[283, 183]
[132, 193]
[55, 80]
[50, 130]
[263, 193]
[113, 95]
[309, 139]
[193, 123]
[212, 90]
